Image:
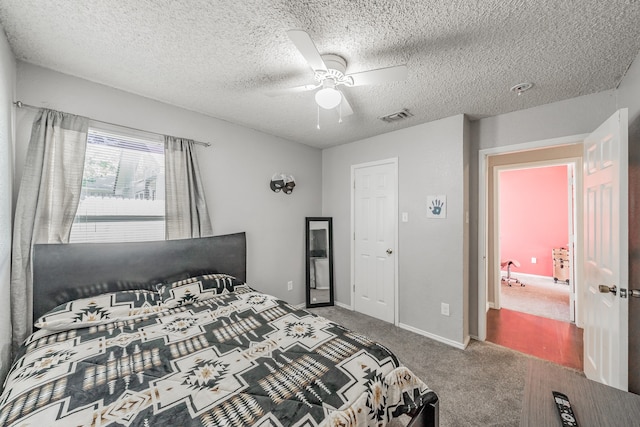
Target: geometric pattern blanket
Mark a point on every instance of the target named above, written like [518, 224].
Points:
[241, 358]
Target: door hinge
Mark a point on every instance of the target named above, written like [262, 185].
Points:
[623, 293]
[354, 287]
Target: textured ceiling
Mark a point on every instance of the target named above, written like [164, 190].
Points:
[221, 57]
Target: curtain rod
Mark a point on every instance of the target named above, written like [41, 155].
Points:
[20, 104]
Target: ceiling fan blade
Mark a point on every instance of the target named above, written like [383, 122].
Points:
[291, 90]
[381, 75]
[345, 108]
[308, 49]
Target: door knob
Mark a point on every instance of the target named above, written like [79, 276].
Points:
[606, 289]
[389, 251]
[634, 293]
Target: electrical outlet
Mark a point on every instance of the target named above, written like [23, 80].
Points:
[533, 260]
[289, 285]
[405, 216]
[444, 309]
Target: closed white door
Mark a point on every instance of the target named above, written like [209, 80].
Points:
[606, 254]
[374, 226]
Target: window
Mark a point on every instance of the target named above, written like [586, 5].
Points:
[123, 196]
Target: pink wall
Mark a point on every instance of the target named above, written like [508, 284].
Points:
[534, 212]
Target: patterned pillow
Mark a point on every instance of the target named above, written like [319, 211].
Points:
[197, 288]
[101, 309]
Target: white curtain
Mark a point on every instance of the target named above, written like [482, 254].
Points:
[186, 214]
[47, 203]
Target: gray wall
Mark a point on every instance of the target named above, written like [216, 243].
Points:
[628, 94]
[431, 267]
[569, 117]
[7, 84]
[236, 169]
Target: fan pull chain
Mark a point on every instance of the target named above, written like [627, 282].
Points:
[340, 113]
[318, 118]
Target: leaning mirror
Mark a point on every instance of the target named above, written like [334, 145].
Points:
[319, 256]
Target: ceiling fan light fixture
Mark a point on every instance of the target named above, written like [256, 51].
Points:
[328, 98]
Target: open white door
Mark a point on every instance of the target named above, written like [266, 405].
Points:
[606, 257]
[374, 234]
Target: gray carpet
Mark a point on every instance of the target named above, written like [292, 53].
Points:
[480, 386]
[540, 296]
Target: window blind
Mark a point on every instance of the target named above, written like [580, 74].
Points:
[123, 192]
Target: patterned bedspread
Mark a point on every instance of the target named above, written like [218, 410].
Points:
[235, 358]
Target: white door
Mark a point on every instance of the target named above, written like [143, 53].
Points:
[374, 226]
[606, 252]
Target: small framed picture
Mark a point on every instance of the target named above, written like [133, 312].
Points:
[437, 206]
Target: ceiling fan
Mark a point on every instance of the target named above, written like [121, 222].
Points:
[329, 72]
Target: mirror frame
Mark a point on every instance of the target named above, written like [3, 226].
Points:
[329, 221]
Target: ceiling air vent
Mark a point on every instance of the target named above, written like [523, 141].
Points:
[397, 116]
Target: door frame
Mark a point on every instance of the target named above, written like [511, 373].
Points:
[572, 221]
[483, 219]
[394, 162]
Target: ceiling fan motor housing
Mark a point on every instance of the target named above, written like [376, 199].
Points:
[336, 67]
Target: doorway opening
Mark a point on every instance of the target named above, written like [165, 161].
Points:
[533, 204]
[535, 217]
[534, 306]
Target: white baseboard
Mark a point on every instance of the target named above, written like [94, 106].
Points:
[452, 343]
[447, 341]
[343, 305]
[491, 305]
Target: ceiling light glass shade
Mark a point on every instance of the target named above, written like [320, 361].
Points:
[328, 98]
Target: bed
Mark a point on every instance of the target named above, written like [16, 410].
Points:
[169, 333]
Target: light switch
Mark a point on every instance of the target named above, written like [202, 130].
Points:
[444, 309]
[405, 216]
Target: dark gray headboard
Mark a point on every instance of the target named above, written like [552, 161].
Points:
[63, 272]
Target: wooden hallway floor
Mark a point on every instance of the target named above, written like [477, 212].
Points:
[552, 340]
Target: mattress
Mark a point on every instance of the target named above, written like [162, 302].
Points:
[207, 351]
